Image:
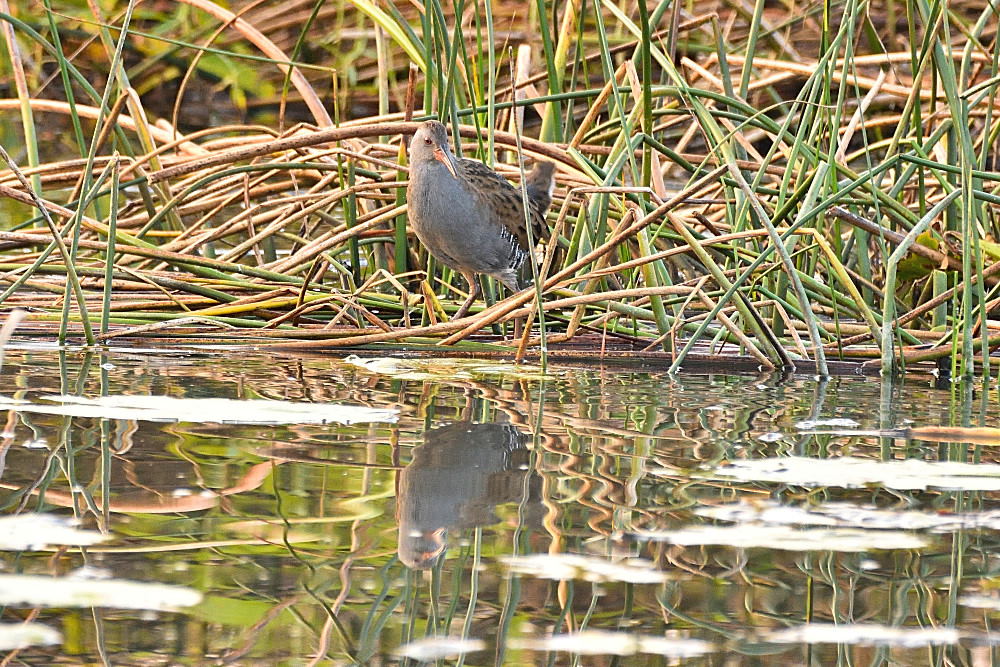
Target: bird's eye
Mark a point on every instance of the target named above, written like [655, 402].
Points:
[428, 142]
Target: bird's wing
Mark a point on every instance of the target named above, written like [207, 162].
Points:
[504, 202]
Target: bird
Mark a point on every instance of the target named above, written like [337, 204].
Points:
[470, 217]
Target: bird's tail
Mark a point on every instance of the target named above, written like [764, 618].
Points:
[539, 183]
[525, 276]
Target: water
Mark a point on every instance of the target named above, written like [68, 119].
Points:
[479, 513]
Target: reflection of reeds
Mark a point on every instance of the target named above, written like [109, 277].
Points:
[615, 454]
[811, 177]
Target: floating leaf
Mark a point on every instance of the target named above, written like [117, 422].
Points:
[573, 566]
[787, 539]
[444, 368]
[437, 648]
[202, 410]
[14, 636]
[840, 422]
[38, 591]
[382, 365]
[978, 435]
[864, 634]
[603, 642]
[38, 531]
[850, 514]
[849, 471]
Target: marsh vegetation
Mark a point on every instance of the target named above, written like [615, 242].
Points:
[793, 184]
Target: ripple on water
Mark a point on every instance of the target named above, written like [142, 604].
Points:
[228, 509]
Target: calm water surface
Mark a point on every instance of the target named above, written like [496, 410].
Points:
[480, 514]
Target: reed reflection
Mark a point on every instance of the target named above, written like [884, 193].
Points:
[457, 477]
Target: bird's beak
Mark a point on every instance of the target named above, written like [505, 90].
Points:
[448, 160]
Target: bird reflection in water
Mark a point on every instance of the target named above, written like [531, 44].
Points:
[456, 478]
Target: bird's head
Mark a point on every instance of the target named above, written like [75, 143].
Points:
[430, 142]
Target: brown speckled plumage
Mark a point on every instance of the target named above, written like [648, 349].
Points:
[469, 216]
[496, 192]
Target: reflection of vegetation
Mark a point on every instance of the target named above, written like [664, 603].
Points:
[290, 532]
[835, 197]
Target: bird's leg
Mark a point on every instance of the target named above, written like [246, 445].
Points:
[515, 287]
[473, 293]
[518, 328]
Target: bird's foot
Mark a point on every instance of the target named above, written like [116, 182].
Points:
[518, 328]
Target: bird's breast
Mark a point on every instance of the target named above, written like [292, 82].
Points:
[455, 225]
[442, 210]
[438, 202]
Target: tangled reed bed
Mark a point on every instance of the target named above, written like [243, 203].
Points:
[834, 205]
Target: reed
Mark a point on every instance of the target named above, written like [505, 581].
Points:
[704, 206]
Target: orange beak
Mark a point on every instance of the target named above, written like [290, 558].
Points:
[448, 160]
